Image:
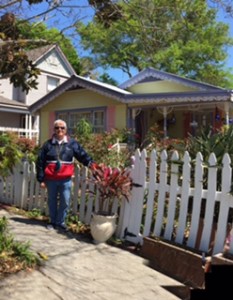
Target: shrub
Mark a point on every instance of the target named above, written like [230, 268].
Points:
[10, 153]
[100, 145]
[14, 255]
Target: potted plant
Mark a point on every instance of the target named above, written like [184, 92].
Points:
[110, 184]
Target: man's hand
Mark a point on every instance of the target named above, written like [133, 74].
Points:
[42, 185]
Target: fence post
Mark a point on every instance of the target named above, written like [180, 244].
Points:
[198, 186]
[17, 184]
[185, 190]
[172, 196]
[151, 192]
[137, 199]
[162, 190]
[21, 184]
[210, 204]
[225, 200]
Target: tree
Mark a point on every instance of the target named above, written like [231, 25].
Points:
[14, 63]
[114, 15]
[34, 31]
[184, 38]
[30, 30]
[107, 79]
[225, 5]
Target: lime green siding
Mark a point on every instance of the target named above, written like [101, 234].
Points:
[121, 115]
[44, 126]
[159, 87]
[79, 99]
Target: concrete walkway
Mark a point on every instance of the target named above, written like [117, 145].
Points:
[78, 269]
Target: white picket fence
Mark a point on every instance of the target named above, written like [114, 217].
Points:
[167, 204]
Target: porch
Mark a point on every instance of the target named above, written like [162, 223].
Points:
[21, 132]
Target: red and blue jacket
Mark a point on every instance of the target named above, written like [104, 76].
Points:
[56, 161]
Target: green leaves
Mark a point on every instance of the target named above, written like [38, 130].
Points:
[185, 39]
[10, 154]
[17, 37]
[11, 250]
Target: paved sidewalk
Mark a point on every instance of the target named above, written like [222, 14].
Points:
[78, 269]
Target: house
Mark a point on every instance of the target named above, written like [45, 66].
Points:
[14, 103]
[179, 105]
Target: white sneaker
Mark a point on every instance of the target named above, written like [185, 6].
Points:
[50, 226]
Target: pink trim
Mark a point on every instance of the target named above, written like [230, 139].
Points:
[111, 118]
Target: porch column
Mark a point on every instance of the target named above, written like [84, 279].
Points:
[36, 126]
[226, 109]
[26, 125]
[164, 111]
[30, 126]
[36, 123]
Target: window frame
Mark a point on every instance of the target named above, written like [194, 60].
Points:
[65, 115]
[55, 79]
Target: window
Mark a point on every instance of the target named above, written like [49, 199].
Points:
[75, 117]
[98, 121]
[52, 83]
[96, 117]
[63, 116]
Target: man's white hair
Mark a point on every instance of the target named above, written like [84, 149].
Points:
[60, 121]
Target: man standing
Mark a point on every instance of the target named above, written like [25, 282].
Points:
[55, 168]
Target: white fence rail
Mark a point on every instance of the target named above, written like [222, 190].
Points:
[169, 202]
[22, 132]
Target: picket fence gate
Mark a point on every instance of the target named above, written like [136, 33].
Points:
[167, 201]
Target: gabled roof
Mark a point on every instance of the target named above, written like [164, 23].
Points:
[38, 53]
[77, 82]
[160, 99]
[151, 74]
[9, 105]
[35, 55]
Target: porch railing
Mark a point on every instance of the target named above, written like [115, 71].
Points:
[21, 132]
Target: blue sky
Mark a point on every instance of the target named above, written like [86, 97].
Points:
[60, 21]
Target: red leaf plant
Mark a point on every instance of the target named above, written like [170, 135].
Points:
[111, 184]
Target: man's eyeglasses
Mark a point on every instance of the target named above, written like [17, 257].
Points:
[60, 127]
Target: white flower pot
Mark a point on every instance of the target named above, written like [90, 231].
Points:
[102, 227]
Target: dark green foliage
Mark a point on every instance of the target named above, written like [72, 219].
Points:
[99, 145]
[36, 32]
[107, 11]
[218, 143]
[13, 251]
[13, 150]
[14, 63]
[84, 130]
[208, 142]
[184, 39]
[10, 153]
[5, 238]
